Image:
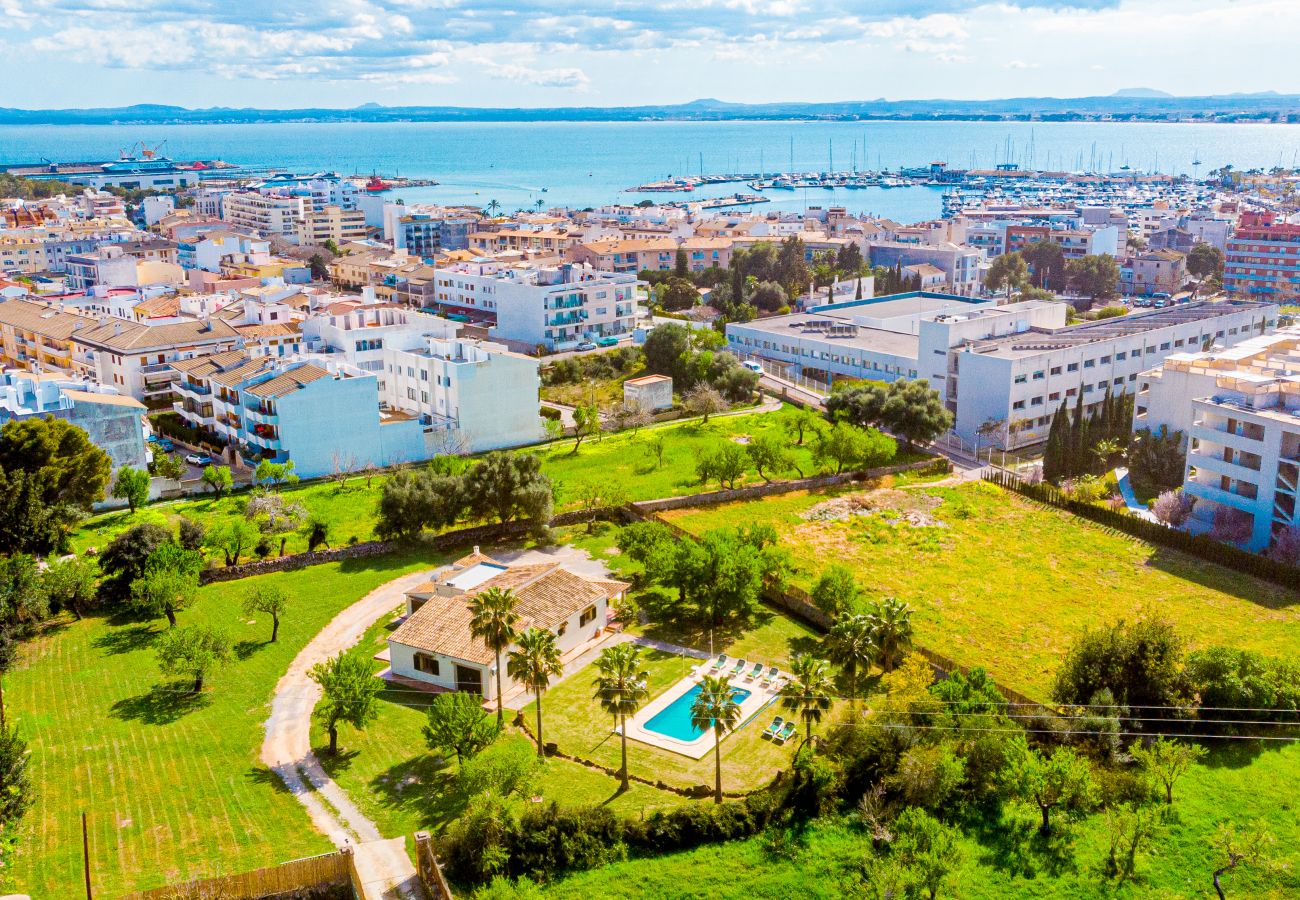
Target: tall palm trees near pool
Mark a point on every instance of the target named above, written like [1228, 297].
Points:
[891, 629]
[851, 646]
[808, 692]
[494, 621]
[534, 663]
[621, 688]
[715, 707]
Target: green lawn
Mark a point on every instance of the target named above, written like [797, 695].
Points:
[1006, 584]
[621, 459]
[172, 784]
[402, 786]
[573, 720]
[1238, 782]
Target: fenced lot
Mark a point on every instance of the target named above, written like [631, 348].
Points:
[1005, 583]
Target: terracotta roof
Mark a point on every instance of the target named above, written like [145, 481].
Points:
[233, 376]
[120, 335]
[204, 366]
[43, 320]
[548, 595]
[109, 399]
[164, 305]
[272, 329]
[289, 381]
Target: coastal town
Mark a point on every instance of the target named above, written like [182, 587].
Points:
[356, 547]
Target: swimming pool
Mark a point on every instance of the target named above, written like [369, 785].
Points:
[674, 720]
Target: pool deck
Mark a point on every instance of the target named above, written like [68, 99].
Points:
[758, 700]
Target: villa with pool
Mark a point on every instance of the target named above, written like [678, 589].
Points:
[433, 646]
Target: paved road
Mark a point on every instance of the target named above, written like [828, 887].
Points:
[286, 750]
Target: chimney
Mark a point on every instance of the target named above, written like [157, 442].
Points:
[476, 549]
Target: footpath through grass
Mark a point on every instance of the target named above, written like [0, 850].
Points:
[173, 784]
[1000, 582]
[626, 460]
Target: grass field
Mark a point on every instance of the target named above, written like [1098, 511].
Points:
[1238, 782]
[172, 784]
[1007, 584]
[622, 459]
[402, 786]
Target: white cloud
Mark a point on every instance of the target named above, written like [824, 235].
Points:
[1019, 64]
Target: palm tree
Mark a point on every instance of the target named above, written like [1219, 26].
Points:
[536, 660]
[715, 707]
[850, 646]
[494, 621]
[539, 204]
[492, 207]
[621, 688]
[808, 692]
[891, 630]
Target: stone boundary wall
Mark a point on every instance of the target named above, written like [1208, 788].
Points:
[753, 491]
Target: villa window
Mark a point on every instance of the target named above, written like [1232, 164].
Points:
[588, 615]
[559, 632]
[426, 664]
[1073, 367]
[1056, 370]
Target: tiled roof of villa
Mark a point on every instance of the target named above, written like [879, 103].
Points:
[548, 595]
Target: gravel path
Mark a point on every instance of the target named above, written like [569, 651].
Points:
[287, 748]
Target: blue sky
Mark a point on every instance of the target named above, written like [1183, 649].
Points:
[287, 53]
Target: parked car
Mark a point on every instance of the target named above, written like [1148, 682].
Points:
[198, 459]
[753, 366]
[166, 444]
[607, 342]
[586, 345]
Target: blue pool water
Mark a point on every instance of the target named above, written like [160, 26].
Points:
[674, 720]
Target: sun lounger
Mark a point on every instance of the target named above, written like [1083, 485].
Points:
[770, 676]
[775, 728]
[785, 733]
[738, 668]
[719, 662]
[754, 672]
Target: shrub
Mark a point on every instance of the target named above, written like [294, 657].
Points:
[1138, 663]
[836, 590]
[1232, 526]
[927, 776]
[1173, 508]
[191, 534]
[1226, 677]
[550, 840]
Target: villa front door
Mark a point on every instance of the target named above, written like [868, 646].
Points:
[469, 680]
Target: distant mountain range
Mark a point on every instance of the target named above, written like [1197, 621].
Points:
[1130, 104]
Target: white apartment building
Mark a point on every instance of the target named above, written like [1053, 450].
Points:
[470, 395]
[553, 306]
[1239, 409]
[362, 334]
[266, 214]
[1013, 364]
[331, 223]
[137, 359]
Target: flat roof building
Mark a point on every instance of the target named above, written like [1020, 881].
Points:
[1013, 364]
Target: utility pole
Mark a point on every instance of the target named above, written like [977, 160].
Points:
[85, 854]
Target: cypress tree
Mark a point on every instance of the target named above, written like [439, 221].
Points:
[1057, 439]
[1075, 456]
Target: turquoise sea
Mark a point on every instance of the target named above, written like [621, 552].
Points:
[587, 164]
